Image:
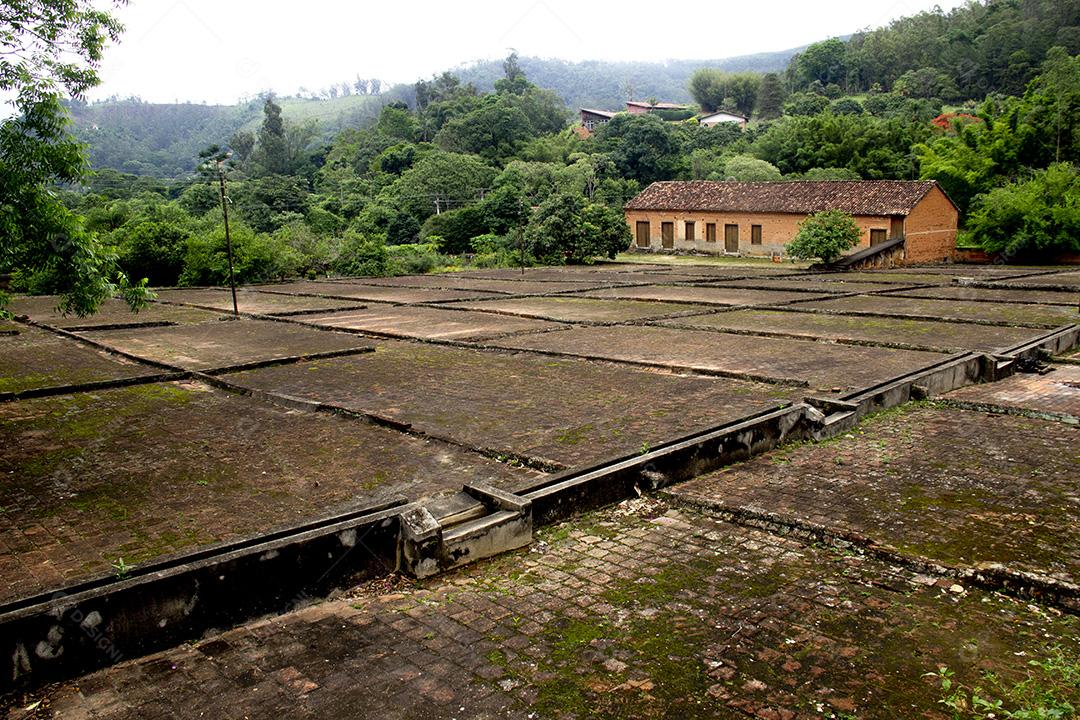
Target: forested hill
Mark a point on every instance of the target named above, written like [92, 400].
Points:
[606, 85]
[164, 140]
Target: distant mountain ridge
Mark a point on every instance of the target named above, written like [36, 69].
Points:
[164, 139]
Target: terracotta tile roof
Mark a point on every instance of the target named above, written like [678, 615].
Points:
[858, 197]
[656, 106]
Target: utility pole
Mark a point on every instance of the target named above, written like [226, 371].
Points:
[215, 158]
[228, 237]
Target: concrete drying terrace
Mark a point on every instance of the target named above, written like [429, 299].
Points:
[330, 395]
[641, 611]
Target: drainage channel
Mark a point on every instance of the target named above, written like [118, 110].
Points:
[100, 622]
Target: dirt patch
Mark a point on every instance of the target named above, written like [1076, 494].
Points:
[428, 323]
[144, 471]
[35, 359]
[820, 365]
[952, 486]
[1020, 314]
[562, 411]
[227, 343]
[946, 337]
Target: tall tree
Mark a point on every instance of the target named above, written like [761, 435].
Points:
[48, 49]
[1059, 83]
[771, 96]
[272, 150]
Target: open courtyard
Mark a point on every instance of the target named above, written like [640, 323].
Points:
[829, 578]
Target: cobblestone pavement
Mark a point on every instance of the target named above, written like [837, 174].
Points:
[952, 486]
[1056, 393]
[639, 611]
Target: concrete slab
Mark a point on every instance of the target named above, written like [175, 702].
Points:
[819, 284]
[950, 486]
[1011, 313]
[253, 301]
[357, 291]
[700, 294]
[1056, 393]
[227, 343]
[920, 334]
[819, 365]
[145, 471]
[508, 286]
[1070, 279]
[639, 611]
[428, 323]
[42, 309]
[36, 359]
[1048, 297]
[577, 309]
[561, 412]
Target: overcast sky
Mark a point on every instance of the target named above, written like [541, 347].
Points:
[221, 50]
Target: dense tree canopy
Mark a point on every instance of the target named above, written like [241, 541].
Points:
[49, 48]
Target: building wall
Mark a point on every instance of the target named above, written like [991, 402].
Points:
[930, 229]
[777, 229]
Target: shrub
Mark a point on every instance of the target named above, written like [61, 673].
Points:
[826, 235]
[256, 257]
[1040, 215]
[363, 255]
[413, 259]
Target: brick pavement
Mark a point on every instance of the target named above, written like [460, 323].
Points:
[637, 611]
[1056, 393]
[952, 486]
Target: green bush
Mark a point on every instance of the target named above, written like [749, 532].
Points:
[256, 257]
[413, 259]
[1038, 216]
[363, 255]
[826, 235]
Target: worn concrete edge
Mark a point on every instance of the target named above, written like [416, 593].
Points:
[168, 602]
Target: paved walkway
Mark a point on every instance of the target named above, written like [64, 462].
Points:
[641, 610]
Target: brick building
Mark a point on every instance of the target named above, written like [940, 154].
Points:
[760, 218]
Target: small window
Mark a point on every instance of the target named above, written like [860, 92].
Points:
[690, 231]
[710, 232]
[877, 236]
[755, 234]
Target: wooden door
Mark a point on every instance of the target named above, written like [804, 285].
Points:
[897, 228]
[667, 234]
[642, 230]
[731, 238]
[877, 236]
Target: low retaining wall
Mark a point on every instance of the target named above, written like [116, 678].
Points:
[108, 619]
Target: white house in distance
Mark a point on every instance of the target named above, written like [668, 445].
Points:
[722, 117]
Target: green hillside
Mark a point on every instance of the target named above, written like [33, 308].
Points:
[164, 139]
